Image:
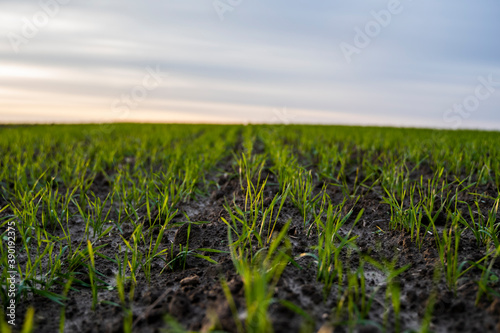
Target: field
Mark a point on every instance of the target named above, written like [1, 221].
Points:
[175, 228]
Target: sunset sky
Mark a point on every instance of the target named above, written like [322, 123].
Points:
[404, 63]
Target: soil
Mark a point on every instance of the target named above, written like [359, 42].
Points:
[193, 294]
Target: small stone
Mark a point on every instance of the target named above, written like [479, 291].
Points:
[326, 328]
[190, 281]
[494, 308]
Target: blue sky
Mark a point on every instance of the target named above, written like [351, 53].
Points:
[402, 63]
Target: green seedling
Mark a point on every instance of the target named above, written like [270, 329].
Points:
[331, 242]
[488, 277]
[92, 275]
[249, 224]
[393, 292]
[486, 229]
[260, 277]
[62, 318]
[448, 245]
[62, 186]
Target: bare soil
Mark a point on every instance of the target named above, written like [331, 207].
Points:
[193, 294]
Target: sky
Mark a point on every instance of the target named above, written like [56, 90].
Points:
[417, 63]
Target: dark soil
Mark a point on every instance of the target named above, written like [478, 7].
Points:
[193, 294]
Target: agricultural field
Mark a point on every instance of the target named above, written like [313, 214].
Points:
[262, 228]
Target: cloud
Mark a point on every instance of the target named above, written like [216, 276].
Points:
[263, 56]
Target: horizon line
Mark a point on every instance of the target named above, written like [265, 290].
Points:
[55, 123]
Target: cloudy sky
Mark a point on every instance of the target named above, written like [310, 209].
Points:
[411, 63]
